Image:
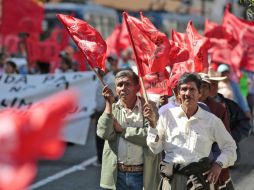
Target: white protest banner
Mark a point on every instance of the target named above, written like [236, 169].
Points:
[23, 90]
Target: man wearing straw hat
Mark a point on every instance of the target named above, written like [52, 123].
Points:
[127, 162]
[224, 180]
[239, 123]
[186, 134]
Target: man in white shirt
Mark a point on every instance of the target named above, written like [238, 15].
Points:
[186, 134]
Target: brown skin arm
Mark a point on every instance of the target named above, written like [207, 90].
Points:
[214, 173]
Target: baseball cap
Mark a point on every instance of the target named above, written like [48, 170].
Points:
[222, 68]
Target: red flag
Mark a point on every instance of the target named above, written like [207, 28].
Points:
[112, 41]
[29, 135]
[180, 38]
[234, 25]
[214, 30]
[118, 40]
[87, 39]
[150, 46]
[243, 32]
[199, 46]
[21, 16]
[157, 83]
[59, 36]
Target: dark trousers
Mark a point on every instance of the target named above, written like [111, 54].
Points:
[99, 141]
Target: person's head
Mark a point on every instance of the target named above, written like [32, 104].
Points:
[112, 62]
[189, 89]
[10, 67]
[214, 79]
[127, 85]
[205, 87]
[214, 88]
[65, 64]
[126, 54]
[224, 70]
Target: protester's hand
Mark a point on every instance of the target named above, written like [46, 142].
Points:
[214, 173]
[108, 94]
[149, 115]
[163, 100]
[117, 126]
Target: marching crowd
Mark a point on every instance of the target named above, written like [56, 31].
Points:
[186, 141]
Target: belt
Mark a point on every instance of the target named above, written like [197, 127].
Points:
[130, 168]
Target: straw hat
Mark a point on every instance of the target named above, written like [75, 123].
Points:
[205, 77]
[215, 76]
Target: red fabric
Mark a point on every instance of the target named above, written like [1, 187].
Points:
[243, 32]
[112, 41]
[174, 80]
[89, 41]
[198, 46]
[21, 16]
[46, 51]
[151, 47]
[11, 43]
[118, 40]
[27, 135]
[214, 30]
[177, 53]
[157, 83]
[60, 36]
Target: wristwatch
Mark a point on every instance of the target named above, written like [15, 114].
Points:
[219, 163]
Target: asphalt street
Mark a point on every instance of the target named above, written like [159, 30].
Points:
[77, 169]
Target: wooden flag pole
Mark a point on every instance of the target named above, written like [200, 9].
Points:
[99, 77]
[136, 56]
[143, 89]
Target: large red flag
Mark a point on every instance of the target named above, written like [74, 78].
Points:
[151, 47]
[243, 32]
[89, 41]
[28, 135]
[21, 16]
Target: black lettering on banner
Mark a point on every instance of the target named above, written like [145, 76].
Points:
[15, 89]
[62, 82]
[18, 79]
[48, 78]
[77, 76]
[9, 79]
[15, 102]
[22, 79]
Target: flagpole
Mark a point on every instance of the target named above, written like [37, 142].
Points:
[143, 89]
[99, 77]
[135, 52]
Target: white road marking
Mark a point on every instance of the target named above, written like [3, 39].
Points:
[81, 166]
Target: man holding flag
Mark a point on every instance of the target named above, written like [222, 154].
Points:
[127, 161]
[186, 134]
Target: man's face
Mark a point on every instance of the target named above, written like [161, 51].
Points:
[126, 89]
[189, 94]
[214, 88]
[205, 91]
